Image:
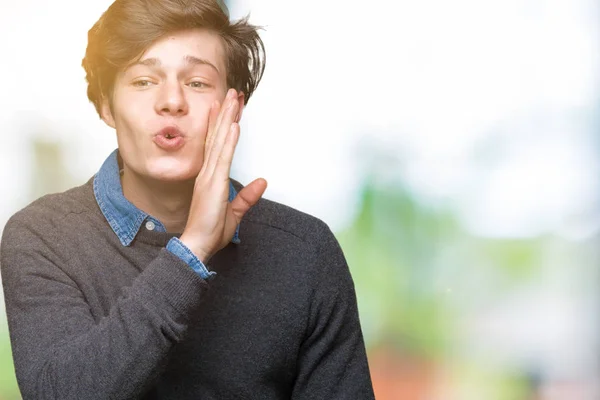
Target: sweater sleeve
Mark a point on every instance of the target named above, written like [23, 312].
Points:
[60, 351]
[332, 362]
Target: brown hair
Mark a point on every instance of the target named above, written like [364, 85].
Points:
[128, 27]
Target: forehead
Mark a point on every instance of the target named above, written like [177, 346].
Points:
[173, 50]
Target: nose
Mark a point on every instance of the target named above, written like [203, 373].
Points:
[172, 100]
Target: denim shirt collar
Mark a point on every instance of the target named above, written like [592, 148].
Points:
[124, 218]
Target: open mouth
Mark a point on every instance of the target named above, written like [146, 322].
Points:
[169, 138]
[170, 132]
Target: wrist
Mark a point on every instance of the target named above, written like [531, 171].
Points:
[197, 249]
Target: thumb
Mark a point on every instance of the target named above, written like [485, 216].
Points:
[248, 197]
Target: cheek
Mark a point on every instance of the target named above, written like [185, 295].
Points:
[132, 118]
[200, 113]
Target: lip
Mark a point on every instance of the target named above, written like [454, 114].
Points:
[170, 130]
[169, 138]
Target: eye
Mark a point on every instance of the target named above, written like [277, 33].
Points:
[142, 83]
[198, 85]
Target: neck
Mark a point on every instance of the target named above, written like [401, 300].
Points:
[169, 202]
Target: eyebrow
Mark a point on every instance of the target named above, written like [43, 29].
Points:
[190, 60]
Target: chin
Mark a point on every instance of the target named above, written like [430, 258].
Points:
[173, 172]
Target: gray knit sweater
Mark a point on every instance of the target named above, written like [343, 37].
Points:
[92, 319]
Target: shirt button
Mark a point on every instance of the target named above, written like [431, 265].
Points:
[150, 225]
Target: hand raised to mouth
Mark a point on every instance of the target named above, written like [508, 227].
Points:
[212, 219]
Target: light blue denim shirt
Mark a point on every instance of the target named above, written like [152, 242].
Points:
[126, 220]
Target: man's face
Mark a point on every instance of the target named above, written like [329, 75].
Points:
[167, 94]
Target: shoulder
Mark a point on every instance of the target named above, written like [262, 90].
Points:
[299, 241]
[44, 216]
[286, 222]
[308, 242]
[286, 219]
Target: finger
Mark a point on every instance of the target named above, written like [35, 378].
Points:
[229, 97]
[238, 117]
[221, 135]
[247, 198]
[224, 162]
[213, 114]
[213, 128]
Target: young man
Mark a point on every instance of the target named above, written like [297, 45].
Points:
[161, 277]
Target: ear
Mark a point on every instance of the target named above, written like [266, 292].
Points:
[106, 113]
[241, 98]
